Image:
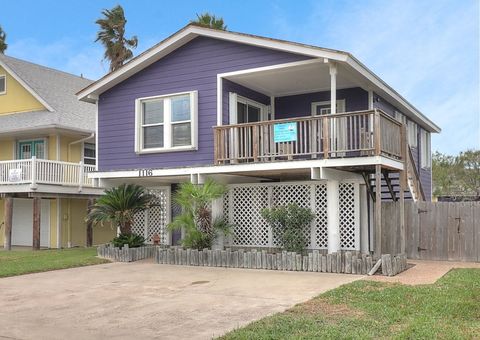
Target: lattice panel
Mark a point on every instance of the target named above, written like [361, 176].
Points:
[284, 194]
[250, 229]
[321, 222]
[347, 215]
[154, 220]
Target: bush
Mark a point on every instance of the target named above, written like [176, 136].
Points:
[289, 225]
[133, 241]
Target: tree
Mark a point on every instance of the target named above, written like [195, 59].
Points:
[469, 164]
[3, 37]
[209, 20]
[196, 218]
[118, 49]
[119, 206]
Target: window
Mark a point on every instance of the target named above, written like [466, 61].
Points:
[426, 157]
[3, 84]
[249, 111]
[28, 149]
[89, 154]
[166, 123]
[412, 134]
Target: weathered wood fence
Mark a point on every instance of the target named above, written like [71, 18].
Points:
[126, 254]
[348, 262]
[434, 230]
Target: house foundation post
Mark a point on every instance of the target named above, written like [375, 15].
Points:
[89, 230]
[7, 241]
[333, 216]
[378, 210]
[36, 223]
[363, 219]
[217, 212]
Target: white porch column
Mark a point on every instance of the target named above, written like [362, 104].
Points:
[217, 212]
[363, 219]
[333, 216]
[333, 88]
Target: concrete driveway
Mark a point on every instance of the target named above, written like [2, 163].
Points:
[146, 300]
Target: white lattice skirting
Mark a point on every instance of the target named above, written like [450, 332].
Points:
[155, 220]
[243, 203]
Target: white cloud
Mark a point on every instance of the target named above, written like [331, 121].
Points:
[427, 50]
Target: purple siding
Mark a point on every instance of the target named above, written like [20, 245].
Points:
[356, 99]
[230, 86]
[424, 173]
[193, 66]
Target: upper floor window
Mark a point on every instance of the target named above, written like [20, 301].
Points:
[412, 134]
[166, 123]
[425, 155]
[89, 154]
[3, 84]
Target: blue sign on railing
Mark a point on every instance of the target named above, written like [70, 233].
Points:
[285, 132]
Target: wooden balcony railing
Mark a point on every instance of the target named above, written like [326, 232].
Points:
[351, 134]
[42, 171]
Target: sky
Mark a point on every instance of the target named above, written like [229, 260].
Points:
[427, 50]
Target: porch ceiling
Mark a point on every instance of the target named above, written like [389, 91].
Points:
[305, 78]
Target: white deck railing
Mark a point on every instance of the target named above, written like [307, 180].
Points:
[42, 171]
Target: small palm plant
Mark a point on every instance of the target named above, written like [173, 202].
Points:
[3, 38]
[196, 219]
[209, 20]
[119, 206]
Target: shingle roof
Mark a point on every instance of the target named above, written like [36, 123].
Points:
[57, 89]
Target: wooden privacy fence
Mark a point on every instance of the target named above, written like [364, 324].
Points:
[434, 230]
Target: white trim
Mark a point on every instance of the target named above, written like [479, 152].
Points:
[26, 86]
[370, 99]
[59, 222]
[272, 108]
[4, 76]
[167, 124]
[285, 165]
[248, 101]
[190, 32]
[333, 87]
[219, 100]
[340, 103]
[57, 147]
[96, 134]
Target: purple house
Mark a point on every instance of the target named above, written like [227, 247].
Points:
[276, 121]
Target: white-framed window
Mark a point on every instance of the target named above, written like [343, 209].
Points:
[3, 84]
[245, 110]
[166, 123]
[412, 134]
[89, 154]
[425, 155]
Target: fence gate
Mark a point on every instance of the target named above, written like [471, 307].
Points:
[155, 219]
[434, 230]
[244, 202]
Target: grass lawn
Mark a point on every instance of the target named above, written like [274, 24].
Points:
[23, 262]
[448, 309]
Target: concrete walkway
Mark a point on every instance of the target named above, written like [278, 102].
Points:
[146, 300]
[424, 272]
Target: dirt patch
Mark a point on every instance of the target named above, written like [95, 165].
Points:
[329, 310]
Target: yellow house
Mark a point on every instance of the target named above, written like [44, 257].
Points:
[47, 147]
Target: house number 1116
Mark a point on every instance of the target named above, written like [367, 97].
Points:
[145, 172]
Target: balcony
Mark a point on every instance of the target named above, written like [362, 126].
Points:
[343, 135]
[41, 175]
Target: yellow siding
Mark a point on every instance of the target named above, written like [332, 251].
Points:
[72, 153]
[17, 98]
[2, 220]
[52, 147]
[7, 149]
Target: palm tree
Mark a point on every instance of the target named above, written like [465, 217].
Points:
[119, 206]
[3, 44]
[209, 20]
[112, 36]
[196, 219]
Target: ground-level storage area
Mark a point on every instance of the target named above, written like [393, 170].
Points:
[62, 223]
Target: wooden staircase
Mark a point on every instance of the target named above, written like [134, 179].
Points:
[390, 188]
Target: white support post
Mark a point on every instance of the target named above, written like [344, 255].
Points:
[80, 176]
[217, 212]
[333, 213]
[34, 172]
[363, 219]
[333, 88]
[356, 202]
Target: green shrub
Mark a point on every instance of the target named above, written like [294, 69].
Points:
[133, 240]
[289, 225]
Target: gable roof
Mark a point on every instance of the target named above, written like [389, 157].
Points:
[191, 31]
[56, 91]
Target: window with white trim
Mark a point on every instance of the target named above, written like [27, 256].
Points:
[89, 154]
[3, 84]
[412, 134]
[425, 155]
[166, 123]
